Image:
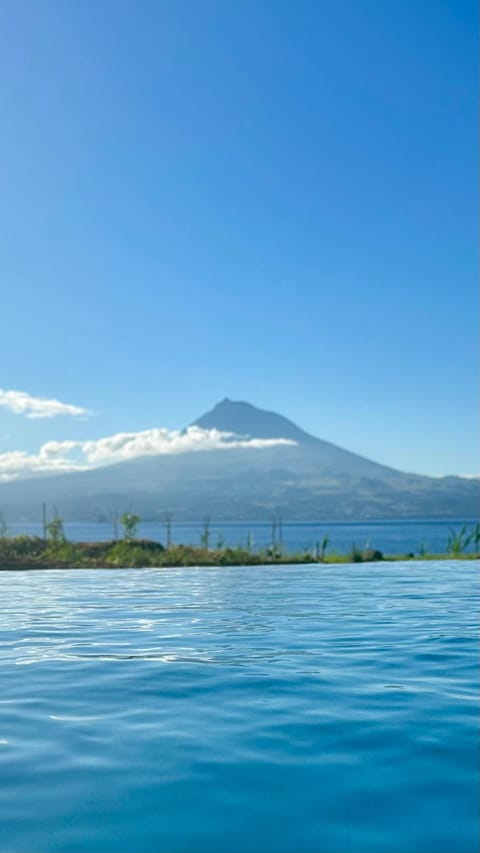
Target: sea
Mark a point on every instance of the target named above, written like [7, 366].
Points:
[267, 709]
[397, 536]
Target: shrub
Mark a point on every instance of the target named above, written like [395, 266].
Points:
[130, 522]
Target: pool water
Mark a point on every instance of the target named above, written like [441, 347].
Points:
[303, 709]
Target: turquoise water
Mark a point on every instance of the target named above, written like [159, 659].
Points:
[252, 710]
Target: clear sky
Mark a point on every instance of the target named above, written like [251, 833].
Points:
[268, 200]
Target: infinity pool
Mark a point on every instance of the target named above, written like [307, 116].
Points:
[302, 709]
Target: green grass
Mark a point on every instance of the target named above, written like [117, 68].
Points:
[30, 552]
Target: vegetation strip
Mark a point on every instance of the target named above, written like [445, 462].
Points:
[54, 551]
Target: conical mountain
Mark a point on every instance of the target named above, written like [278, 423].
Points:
[306, 479]
[244, 419]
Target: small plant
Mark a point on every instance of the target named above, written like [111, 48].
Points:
[274, 532]
[220, 542]
[54, 529]
[475, 538]
[276, 547]
[130, 522]
[458, 542]
[205, 537]
[249, 545]
[324, 546]
[355, 554]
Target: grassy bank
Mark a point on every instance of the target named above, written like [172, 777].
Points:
[30, 552]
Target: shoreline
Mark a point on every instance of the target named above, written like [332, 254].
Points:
[35, 554]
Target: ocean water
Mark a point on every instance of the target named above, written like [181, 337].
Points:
[302, 709]
[398, 536]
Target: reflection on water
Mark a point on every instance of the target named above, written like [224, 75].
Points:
[314, 709]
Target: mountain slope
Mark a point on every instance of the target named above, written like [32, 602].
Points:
[244, 419]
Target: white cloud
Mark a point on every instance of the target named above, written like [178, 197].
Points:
[460, 476]
[57, 457]
[21, 403]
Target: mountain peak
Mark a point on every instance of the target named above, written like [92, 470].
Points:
[243, 418]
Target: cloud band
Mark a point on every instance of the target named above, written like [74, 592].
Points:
[63, 456]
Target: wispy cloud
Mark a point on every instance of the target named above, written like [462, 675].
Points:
[62, 456]
[21, 403]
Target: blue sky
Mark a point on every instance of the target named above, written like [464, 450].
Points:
[266, 200]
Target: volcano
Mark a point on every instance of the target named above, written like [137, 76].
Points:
[305, 478]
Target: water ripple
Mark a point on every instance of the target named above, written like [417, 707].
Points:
[273, 709]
